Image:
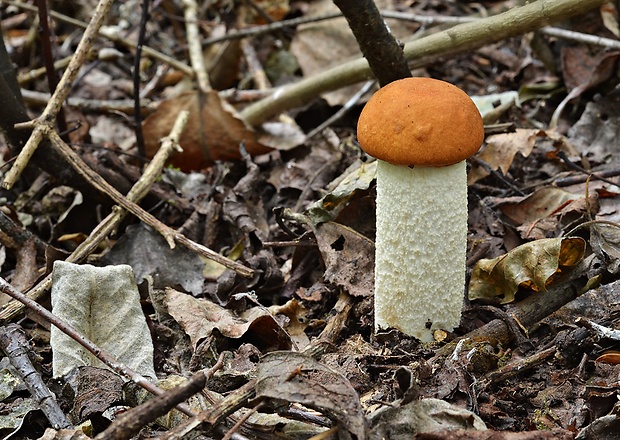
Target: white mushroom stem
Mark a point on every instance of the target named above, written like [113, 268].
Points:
[421, 246]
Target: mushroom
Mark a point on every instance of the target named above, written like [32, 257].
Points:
[422, 130]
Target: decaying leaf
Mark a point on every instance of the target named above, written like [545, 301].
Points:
[299, 378]
[543, 213]
[199, 318]
[605, 241]
[102, 303]
[595, 134]
[500, 151]
[348, 256]
[212, 133]
[148, 253]
[97, 389]
[538, 205]
[419, 416]
[531, 265]
[328, 207]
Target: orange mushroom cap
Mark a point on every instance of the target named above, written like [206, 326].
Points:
[420, 122]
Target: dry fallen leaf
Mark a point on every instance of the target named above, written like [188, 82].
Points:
[348, 256]
[500, 151]
[605, 242]
[545, 212]
[609, 357]
[199, 318]
[104, 304]
[531, 265]
[299, 378]
[212, 133]
[540, 204]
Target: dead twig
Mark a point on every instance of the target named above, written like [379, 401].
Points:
[194, 45]
[14, 343]
[215, 414]
[45, 122]
[131, 422]
[169, 234]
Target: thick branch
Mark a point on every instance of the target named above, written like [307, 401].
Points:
[461, 38]
[383, 53]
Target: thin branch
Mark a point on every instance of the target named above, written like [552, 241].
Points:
[194, 46]
[92, 105]
[45, 37]
[48, 116]
[169, 234]
[137, 117]
[14, 343]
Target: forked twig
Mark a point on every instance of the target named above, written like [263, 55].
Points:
[44, 124]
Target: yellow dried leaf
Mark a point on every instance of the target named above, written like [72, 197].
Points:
[532, 265]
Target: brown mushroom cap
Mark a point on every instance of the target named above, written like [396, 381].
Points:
[420, 122]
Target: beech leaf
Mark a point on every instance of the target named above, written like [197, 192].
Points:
[213, 131]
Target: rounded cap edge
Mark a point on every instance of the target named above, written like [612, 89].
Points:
[420, 122]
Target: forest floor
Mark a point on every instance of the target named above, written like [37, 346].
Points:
[278, 335]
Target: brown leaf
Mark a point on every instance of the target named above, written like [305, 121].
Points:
[298, 378]
[500, 151]
[348, 256]
[199, 318]
[540, 204]
[585, 68]
[605, 242]
[532, 265]
[609, 357]
[212, 133]
[543, 213]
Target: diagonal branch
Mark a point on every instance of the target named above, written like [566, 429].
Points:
[48, 117]
[421, 52]
[168, 233]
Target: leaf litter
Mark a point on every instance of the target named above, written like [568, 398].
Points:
[297, 337]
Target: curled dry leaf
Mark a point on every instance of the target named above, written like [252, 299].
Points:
[348, 256]
[595, 133]
[500, 151]
[609, 357]
[199, 318]
[212, 133]
[532, 265]
[327, 208]
[548, 210]
[605, 242]
[299, 378]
